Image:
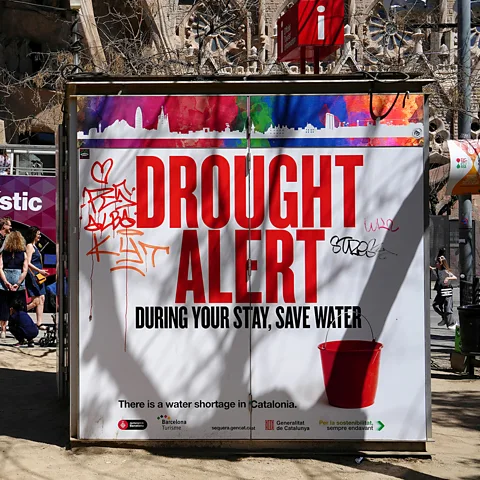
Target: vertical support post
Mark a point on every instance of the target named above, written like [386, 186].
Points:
[303, 63]
[76, 56]
[62, 346]
[71, 247]
[466, 247]
[249, 38]
[316, 60]
[261, 34]
[12, 161]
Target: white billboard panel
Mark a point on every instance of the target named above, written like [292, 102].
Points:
[266, 284]
[358, 280]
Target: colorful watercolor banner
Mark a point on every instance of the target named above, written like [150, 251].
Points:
[464, 176]
[220, 122]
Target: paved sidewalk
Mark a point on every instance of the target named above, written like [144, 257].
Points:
[10, 341]
[34, 434]
[442, 340]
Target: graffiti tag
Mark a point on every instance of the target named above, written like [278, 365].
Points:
[132, 253]
[380, 224]
[359, 248]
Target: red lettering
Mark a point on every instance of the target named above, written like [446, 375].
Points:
[214, 264]
[144, 164]
[349, 162]
[241, 276]
[223, 188]
[274, 266]
[242, 293]
[311, 237]
[290, 198]
[190, 255]
[177, 192]
[241, 191]
[323, 191]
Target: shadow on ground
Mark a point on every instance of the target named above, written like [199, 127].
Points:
[310, 470]
[449, 376]
[30, 409]
[384, 467]
[457, 409]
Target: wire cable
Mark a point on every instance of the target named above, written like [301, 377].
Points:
[46, 7]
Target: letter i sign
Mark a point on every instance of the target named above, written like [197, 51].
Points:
[321, 23]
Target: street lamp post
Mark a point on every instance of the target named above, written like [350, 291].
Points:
[465, 230]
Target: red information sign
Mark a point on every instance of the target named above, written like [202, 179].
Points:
[312, 25]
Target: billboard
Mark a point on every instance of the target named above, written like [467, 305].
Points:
[30, 201]
[245, 267]
[464, 178]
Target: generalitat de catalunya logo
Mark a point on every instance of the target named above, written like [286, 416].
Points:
[269, 425]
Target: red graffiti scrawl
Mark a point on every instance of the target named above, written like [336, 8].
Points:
[100, 171]
[114, 208]
[109, 206]
[130, 251]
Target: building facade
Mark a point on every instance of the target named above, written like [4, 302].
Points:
[220, 37]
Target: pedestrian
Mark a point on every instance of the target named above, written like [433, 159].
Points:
[443, 302]
[5, 163]
[21, 325]
[35, 266]
[5, 229]
[13, 270]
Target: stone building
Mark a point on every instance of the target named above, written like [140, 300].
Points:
[38, 48]
[220, 37]
[28, 35]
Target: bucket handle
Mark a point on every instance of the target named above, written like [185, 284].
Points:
[369, 326]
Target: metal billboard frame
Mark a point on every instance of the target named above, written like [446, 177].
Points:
[362, 83]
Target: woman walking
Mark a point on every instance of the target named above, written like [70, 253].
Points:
[443, 302]
[35, 290]
[13, 270]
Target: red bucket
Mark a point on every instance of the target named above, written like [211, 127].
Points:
[350, 372]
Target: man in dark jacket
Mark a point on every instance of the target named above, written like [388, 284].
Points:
[21, 325]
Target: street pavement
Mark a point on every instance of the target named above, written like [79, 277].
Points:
[442, 340]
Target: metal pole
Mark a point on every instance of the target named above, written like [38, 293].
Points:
[466, 247]
[76, 56]
[316, 60]
[303, 61]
